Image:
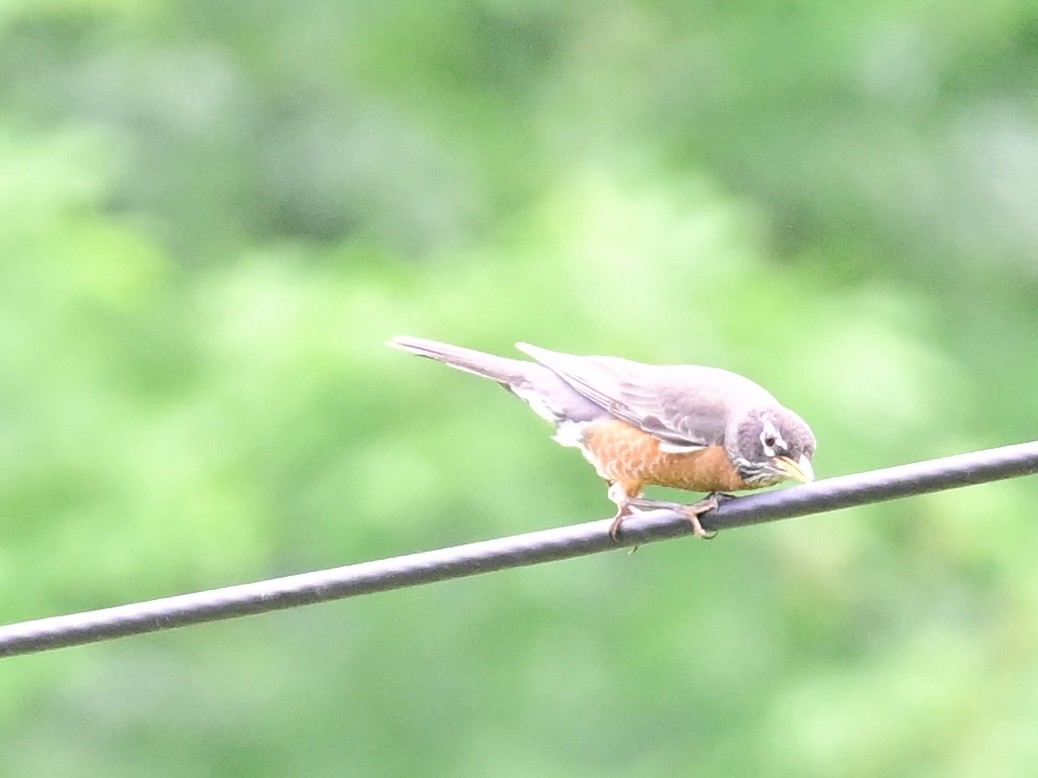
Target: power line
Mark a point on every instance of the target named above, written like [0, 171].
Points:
[483, 557]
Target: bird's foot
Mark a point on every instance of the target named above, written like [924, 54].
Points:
[622, 512]
[633, 504]
[692, 512]
[697, 509]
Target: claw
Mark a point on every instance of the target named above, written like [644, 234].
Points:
[618, 519]
[625, 502]
[693, 512]
[697, 509]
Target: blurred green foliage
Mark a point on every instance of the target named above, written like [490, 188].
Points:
[214, 214]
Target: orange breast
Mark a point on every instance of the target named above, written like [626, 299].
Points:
[625, 454]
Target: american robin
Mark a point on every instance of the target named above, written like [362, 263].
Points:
[697, 428]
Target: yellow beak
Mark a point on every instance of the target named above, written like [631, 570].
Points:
[801, 470]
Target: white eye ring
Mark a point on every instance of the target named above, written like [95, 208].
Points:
[770, 439]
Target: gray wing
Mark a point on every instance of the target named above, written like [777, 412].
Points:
[685, 406]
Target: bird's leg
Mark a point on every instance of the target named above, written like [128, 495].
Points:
[625, 505]
[693, 511]
[697, 509]
[651, 504]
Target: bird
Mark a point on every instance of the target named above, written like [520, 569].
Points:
[690, 427]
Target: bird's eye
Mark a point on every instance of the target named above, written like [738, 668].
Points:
[770, 439]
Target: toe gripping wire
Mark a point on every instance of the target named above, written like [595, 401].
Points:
[515, 551]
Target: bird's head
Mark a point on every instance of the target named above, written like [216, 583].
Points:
[769, 445]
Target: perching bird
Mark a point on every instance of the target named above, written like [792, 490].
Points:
[697, 428]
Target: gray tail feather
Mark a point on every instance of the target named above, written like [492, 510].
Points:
[509, 372]
[547, 394]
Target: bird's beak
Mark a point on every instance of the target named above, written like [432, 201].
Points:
[801, 470]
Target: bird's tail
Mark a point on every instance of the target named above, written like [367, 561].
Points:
[509, 372]
[548, 395]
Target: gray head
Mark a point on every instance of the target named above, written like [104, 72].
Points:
[771, 444]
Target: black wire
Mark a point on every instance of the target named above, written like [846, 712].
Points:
[483, 557]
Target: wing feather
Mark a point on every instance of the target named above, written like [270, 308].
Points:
[686, 406]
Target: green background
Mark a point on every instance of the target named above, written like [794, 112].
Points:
[213, 215]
